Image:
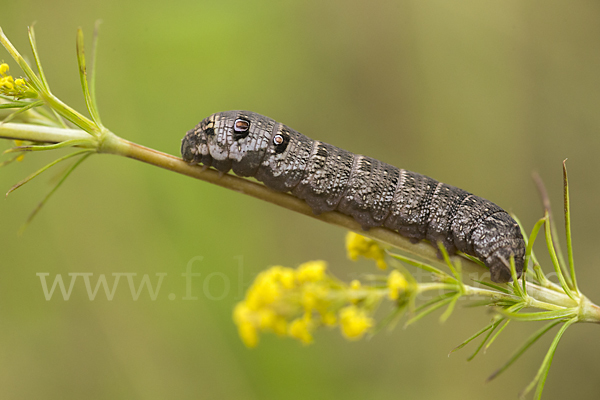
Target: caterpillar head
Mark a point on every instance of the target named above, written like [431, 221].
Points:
[227, 140]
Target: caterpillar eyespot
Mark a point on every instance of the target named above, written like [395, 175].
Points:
[241, 128]
[241, 125]
[372, 192]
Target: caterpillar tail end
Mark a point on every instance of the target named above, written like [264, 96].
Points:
[499, 264]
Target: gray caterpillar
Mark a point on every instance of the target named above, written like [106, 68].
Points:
[372, 192]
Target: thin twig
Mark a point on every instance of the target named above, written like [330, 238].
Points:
[112, 144]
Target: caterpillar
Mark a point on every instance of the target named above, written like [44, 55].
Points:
[372, 192]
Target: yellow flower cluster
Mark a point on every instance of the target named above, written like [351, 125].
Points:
[396, 284]
[13, 87]
[294, 302]
[357, 245]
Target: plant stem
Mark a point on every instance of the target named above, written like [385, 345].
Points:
[115, 145]
[38, 133]
[588, 311]
[549, 295]
[109, 143]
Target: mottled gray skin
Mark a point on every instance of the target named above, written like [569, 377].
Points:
[374, 193]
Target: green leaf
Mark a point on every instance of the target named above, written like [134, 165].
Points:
[513, 308]
[542, 374]
[498, 332]
[52, 101]
[86, 153]
[434, 304]
[66, 143]
[441, 297]
[494, 325]
[391, 319]
[446, 257]
[33, 79]
[540, 276]
[93, 69]
[552, 226]
[531, 241]
[36, 56]
[14, 104]
[39, 171]
[557, 267]
[423, 266]
[507, 302]
[479, 303]
[518, 291]
[89, 101]
[568, 228]
[491, 285]
[475, 336]
[519, 352]
[22, 110]
[471, 258]
[526, 269]
[450, 308]
[542, 315]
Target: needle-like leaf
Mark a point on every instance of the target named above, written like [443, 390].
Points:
[22, 110]
[557, 268]
[436, 303]
[66, 143]
[93, 68]
[542, 374]
[475, 336]
[568, 228]
[36, 57]
[519, 352]
[423, 266]
[39, 171]
[86, 153]
[541, 316]
[89, 101]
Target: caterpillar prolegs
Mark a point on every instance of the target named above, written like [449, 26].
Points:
[372, 192]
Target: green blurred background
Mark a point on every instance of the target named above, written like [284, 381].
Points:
[475, 94]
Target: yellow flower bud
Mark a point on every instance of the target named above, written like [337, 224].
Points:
[354, 322]
[248, 334]
[311, 271]
[396, 284]
[358, 245]
[300, 329]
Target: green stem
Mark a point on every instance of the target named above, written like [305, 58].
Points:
[568, 227]
[108, 143]
[549, 295]
[588, 311]
[42, 134]
[538, 298]
[424, 287]
[113, 144]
